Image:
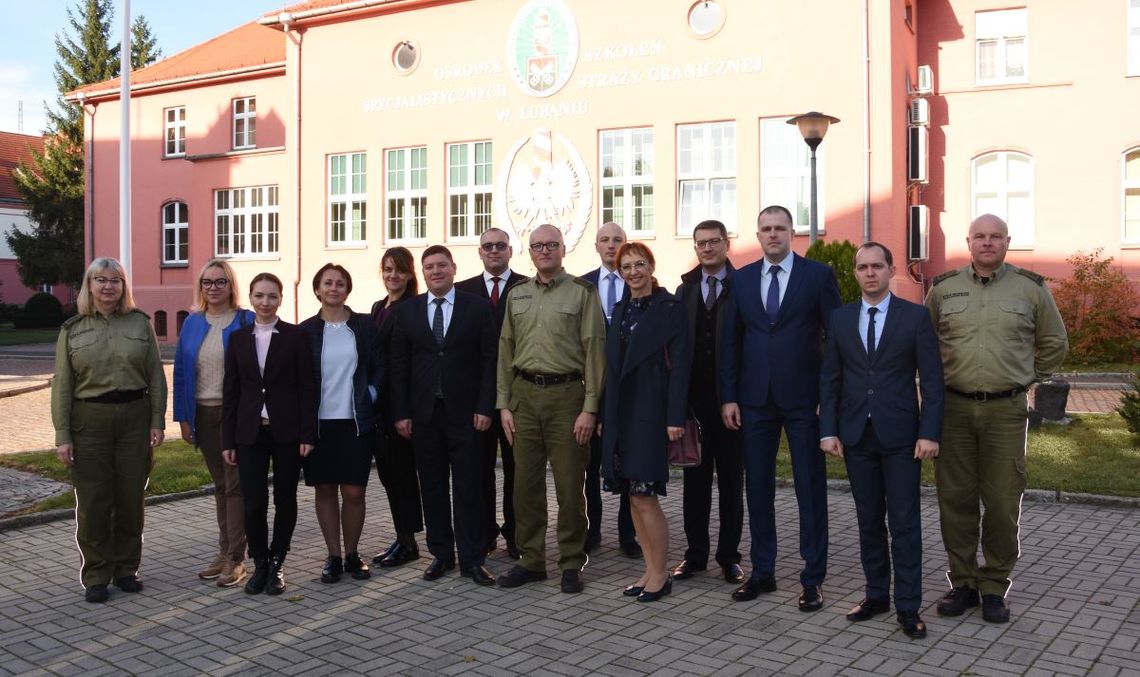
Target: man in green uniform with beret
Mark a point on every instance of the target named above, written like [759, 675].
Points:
[999, 332]
[550, 377]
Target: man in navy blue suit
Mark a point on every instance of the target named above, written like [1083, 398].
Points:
[870, 415]
[771, 347]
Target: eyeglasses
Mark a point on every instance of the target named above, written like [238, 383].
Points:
[636, 265]
[711, 242]
[548, 246]
[219, 283]
[494, 246]
[113, 281]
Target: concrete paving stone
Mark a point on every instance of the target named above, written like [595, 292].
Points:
[1101, 670]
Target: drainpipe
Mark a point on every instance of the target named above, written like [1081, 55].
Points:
[287, 20]
[89, 192]
[866, 123]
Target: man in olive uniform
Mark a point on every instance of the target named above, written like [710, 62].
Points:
[550, 373]
[999, 332]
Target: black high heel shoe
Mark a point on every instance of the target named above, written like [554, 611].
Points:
[633, 590]
[647, 596]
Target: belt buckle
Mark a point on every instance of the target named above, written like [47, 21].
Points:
[540, 380]
[980, 396]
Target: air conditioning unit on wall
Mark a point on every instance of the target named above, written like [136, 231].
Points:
[920, 112]
[925, 84]
[917, 155]
[918, 233]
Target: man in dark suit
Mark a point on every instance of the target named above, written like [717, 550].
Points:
[869, 407]
[769, 372]
[443, 396]
[492, 284]
[704, 291]
[611, 288]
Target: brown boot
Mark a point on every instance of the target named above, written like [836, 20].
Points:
[232, 574]
[215, 567]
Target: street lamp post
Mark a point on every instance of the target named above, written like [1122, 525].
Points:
[813, 126]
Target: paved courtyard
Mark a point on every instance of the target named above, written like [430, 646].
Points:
[1074, 603]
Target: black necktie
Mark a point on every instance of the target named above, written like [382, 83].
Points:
[772, 305]
[437, 321]
[710, 300]
[871, 330]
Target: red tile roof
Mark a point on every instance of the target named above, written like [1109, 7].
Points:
[14, 149]
[245, 47]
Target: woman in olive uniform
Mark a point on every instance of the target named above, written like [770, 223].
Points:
[108, 406]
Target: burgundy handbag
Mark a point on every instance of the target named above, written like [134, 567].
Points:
[685, 452]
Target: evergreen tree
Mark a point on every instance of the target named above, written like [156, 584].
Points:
[53, 183]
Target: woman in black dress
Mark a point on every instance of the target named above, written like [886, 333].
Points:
[647, 381]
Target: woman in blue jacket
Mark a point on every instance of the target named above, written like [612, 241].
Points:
[350, 371]
[199, 369]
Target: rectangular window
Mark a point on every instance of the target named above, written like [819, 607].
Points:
[706, 171]
[1134, 37]
[245, 123]
[1132, 197]
[468, 189]
[1003, 185]
[406, 193]
[348, 199]
[785, 172]
[627, 178]
[175, 127]
[1002, 41]
[175, 233]
[246, 221]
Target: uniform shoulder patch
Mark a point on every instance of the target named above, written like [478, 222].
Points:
[70, 321]
[141, 312]
[943, 277]
[1038, 279]
[583, 283]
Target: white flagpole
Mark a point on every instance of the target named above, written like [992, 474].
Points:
[125, 142]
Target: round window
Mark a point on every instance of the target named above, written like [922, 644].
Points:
[406, 56]
[706, 18]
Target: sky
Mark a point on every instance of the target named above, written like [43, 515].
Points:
[27, 43]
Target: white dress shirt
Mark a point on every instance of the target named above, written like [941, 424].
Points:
[490, 283]
[880, 319]
[719, 275]
[603, 286]
[262, 335]
[448, 308]
[784, 274]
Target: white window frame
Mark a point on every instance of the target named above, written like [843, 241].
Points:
[348, 198]
[246, 222]
[465, 190]
[177, 229]
[703, 176]
[405, 201]
[619, 152]
[1022, 235]
[1002, 28]
[245, 123]
[1129, 184]
[174, 131]
[777, 138]
[1133, 35]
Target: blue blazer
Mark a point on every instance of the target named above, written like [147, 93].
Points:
[190, 338]
[758, 357]
[854, 385]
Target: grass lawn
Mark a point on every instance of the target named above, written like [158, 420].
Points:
[13, 337]
[177, 467]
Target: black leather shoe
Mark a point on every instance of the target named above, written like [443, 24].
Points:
[869, 608]
[911, 624]
[130, 583]
[592, 543]
[256, 583]
[334, 567]
[752, 588]
[957, 601]
[633, 590]
[994, 609]
[732, 573]
[632, 550]
[276, 584]
[811, 599]
[355, 567]
[513, 550]
[518, 575]
[572, 581]
[398, 555]
[479, 574]
[380, 557]
[96, 594]
[687, 569]
[437, 569]
[647, 596]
